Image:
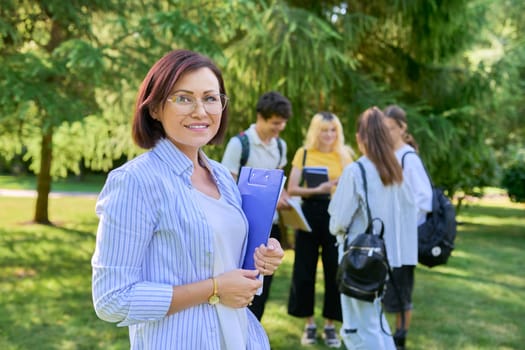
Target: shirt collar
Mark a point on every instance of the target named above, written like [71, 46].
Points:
[178, 161]
[252, 133]
[172, 156]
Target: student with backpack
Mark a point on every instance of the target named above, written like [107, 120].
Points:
[261, 147]
[390, 200]
[419, 184]
[323, 147]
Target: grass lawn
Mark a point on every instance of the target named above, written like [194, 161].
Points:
[89, 183]
[474, 302]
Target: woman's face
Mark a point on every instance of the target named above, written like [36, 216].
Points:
[327, 135]
[396, 131]
[191, 127]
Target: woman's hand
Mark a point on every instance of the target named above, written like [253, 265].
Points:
[268, 257]
[237, 288]
[326, 187]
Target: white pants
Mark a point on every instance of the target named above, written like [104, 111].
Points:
[361, 328]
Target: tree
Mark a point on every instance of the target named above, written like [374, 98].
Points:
[73, 70]
[51, 64]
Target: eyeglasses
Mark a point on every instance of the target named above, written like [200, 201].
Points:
[213, 104]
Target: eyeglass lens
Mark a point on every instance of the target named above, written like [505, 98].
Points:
[213, 104]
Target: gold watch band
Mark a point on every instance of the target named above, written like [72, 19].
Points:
[214, 298]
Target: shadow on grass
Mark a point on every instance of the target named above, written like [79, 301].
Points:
[473, 302]
[45, 284]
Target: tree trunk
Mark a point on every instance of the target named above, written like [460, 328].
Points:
[44, 179]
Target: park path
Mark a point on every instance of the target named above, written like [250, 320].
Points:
[53, 194]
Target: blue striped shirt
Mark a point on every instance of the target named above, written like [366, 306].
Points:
[152, 235]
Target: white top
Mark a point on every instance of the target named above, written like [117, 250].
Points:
[394, 205]
[227, 233]
[415, 176]
[264, 156]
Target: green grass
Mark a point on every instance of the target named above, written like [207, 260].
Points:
[89, 183]
[474, 302]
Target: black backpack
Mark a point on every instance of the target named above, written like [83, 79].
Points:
[364, 267]
[245, 143]
[437, 234]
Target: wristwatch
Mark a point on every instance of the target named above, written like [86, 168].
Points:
[214, 298]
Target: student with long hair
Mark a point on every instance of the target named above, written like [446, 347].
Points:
[415, 176]
[324, 147]
[389, 199]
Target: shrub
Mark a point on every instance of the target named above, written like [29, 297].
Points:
[514, 181]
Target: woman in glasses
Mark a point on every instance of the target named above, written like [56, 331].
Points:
[323, 148]
[171, 236]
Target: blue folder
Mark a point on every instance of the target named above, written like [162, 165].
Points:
[260, 190]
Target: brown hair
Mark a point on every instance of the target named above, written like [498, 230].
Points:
[155, 90]
[399, 115]
[378, 145]
[273, 103]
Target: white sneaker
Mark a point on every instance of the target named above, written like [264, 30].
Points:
[309, 336]
[330, 337]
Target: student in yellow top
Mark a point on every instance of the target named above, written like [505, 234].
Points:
[324, 147]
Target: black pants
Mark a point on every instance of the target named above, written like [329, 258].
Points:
[259, 301]
[307, 244]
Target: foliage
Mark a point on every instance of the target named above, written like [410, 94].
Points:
[514, 180]
[51, 63]
[474, 302]
[457, 67]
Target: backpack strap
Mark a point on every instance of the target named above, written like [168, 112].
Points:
[280, 147]
[363, 175]
[245, 152]
[368, 214]
[403, 158]
[424, 167]
[301, 183]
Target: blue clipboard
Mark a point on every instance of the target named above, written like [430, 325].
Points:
[260, 190]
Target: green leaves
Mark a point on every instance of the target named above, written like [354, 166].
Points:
[455, 66]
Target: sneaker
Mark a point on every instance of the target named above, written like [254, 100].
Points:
[309, 336]
[330, 337]
[399, 339]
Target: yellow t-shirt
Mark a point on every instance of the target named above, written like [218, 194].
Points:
[314, 157]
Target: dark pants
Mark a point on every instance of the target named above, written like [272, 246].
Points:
[307, 244]
[259, 301]
[398, 297]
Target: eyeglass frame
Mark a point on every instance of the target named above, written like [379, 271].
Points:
[222, 97]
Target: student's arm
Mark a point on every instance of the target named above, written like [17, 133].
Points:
[294, 189]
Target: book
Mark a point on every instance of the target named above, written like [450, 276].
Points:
[294, 216]
[314, 176]
[260, 190]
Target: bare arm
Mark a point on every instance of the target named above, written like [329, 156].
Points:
[235, 288]
[294, 189]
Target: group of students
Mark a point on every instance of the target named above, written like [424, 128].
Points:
[172, 235]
